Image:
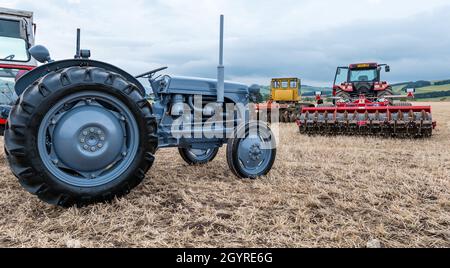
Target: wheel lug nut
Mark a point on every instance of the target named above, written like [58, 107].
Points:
[124, 154]
[55, 161]
[99, 132]
[92, 130]
[85, 133]
[93, 149]
[99, 145]
[102, 138]
[86, 147]
[82, 140]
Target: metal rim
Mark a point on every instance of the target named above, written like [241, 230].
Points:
[254, 153]
[88, 139]
[200, 154]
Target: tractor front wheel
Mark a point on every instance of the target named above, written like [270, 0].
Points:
[198, 156]
[79, 136]
[252, 151]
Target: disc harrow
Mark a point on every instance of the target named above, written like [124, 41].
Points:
[385, 121]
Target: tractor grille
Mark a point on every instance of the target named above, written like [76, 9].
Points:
[363, 88]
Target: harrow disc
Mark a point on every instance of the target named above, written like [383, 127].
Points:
[384, 121]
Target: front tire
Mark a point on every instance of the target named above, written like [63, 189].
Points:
[198, 156]
[79, 136]
[252, 151]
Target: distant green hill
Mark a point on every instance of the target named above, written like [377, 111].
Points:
[426, 90]
[311, 90]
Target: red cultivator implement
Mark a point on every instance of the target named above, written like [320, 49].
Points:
[373, 113]
[363, 117]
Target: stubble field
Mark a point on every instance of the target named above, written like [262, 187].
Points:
[322, 192]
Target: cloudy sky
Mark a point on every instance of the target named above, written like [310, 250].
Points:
[264, 39]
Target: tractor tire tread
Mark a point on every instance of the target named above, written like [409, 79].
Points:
[21, 133]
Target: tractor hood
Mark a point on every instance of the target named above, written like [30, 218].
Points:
[202, 86]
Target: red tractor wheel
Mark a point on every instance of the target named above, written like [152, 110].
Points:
[386, 93]
[343, 95]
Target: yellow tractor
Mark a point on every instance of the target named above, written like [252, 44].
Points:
[285, 96]
[285, 90]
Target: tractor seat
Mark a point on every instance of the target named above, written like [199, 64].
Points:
[364, 78]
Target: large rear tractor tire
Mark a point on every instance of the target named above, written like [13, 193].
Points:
[198, 156]
[79, 136]
[345, 96]
[386, 93]
[285, 117]
[252, 151]
[293, 117]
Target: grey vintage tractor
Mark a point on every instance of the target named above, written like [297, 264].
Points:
[83, 131]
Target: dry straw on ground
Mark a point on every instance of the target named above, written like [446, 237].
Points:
[322, 192]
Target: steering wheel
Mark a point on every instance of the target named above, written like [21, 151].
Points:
[151, 73]
[10, 57]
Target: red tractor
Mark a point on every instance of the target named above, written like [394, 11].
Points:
[363, 104]
[16, 37]
[361, 79]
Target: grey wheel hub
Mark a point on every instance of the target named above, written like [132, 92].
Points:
[255, 152]
[253, 156]
[99, 135]
[88, 139]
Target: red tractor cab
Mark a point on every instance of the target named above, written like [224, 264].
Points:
[361, 79]
[16, 37]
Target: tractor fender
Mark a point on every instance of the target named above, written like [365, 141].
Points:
[39, 72]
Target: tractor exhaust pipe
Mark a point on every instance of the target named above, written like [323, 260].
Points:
[81, 53]
[221, 68]
[78, 49]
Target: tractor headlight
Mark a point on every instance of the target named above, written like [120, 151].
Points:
[254, 92]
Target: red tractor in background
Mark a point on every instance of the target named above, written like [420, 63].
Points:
[363, 104]
[16, 37]
[362, 80]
